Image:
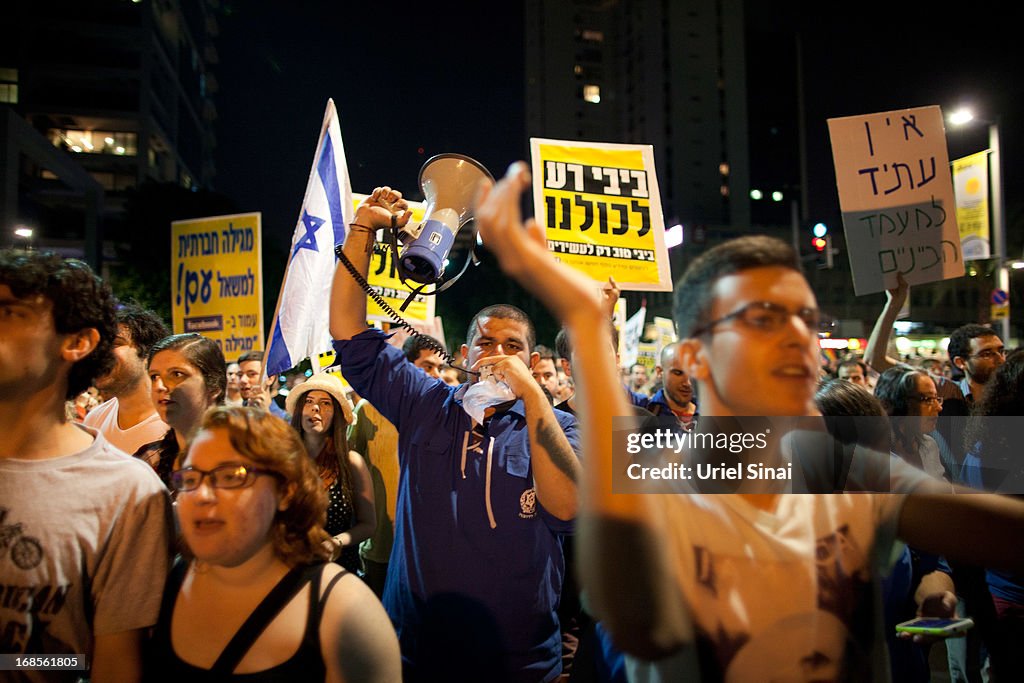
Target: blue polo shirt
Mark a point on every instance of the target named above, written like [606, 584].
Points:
[471, 539]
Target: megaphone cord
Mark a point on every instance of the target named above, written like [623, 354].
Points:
[398, 320]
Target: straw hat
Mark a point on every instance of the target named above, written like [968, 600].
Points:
[322, 382]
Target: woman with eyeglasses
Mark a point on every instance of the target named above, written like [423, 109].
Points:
[188, 376]
[255, 599]
[321, 414]
[913, 405]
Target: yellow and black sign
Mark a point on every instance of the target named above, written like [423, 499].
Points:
[601, 207]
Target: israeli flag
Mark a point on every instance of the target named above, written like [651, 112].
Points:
[299, 329]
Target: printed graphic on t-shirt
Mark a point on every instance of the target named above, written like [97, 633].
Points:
[26, 608]
[25, 551]
[785, 620]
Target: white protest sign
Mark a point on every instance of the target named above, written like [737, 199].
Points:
[629, 339]
[896, 195]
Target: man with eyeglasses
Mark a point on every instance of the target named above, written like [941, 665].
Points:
[85, 529]
[978, 351]
[753, 585]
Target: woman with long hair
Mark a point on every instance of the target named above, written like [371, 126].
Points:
[912, 403]
[253, 597]
[321, 414]
[188, 376]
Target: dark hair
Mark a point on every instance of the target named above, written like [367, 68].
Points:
[145, 327]
[852, 414]
[545, 353]
[1003, 396]
[960, 340]
[562, 346]
[412, 346]
[297, 533]
[337, 442]
[853, 361]
[505, 312]
[693, 297]
[81, 301]
[201, 352]
[250, 355]
[894, 389]
[564, 349]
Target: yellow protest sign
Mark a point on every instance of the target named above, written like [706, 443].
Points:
[383, 278]
[601, 207]
[970, 183]
[217, 281]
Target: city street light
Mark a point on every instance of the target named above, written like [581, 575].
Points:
[964, 116]
[23, 232]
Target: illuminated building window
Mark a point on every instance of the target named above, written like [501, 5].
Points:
[8, 85]
[723, 168]
[593, 36]
[94, 141]
[592, 93]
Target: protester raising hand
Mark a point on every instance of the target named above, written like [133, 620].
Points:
[524, 255]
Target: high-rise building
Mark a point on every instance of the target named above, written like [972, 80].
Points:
[669, 74]
[121, 89]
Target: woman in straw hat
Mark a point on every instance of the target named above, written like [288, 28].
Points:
[321, 414]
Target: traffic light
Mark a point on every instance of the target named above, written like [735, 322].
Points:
[822, 243]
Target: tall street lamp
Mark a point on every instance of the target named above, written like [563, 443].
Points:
[962, 117]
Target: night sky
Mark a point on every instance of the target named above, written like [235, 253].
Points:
[411, 80]
[407, 85]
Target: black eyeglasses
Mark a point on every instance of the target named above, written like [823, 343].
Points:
[766, 316]
[990, 354]
[230, 476]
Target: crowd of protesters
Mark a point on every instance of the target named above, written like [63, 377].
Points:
[428, 523]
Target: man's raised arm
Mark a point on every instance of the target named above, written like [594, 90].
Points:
[348, 300]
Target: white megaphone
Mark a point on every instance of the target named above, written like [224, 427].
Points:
[450, 183]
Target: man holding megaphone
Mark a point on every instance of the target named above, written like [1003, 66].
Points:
[487, 485]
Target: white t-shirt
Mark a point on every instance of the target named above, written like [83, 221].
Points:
[782, 595]
[88, 551]
[104, 418]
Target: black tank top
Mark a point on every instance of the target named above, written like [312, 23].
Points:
[307, 664]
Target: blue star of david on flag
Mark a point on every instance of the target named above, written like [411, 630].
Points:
[308, 241]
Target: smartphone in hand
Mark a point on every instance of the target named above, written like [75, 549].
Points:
[933, 626]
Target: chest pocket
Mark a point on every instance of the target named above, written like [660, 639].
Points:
[516, 460]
